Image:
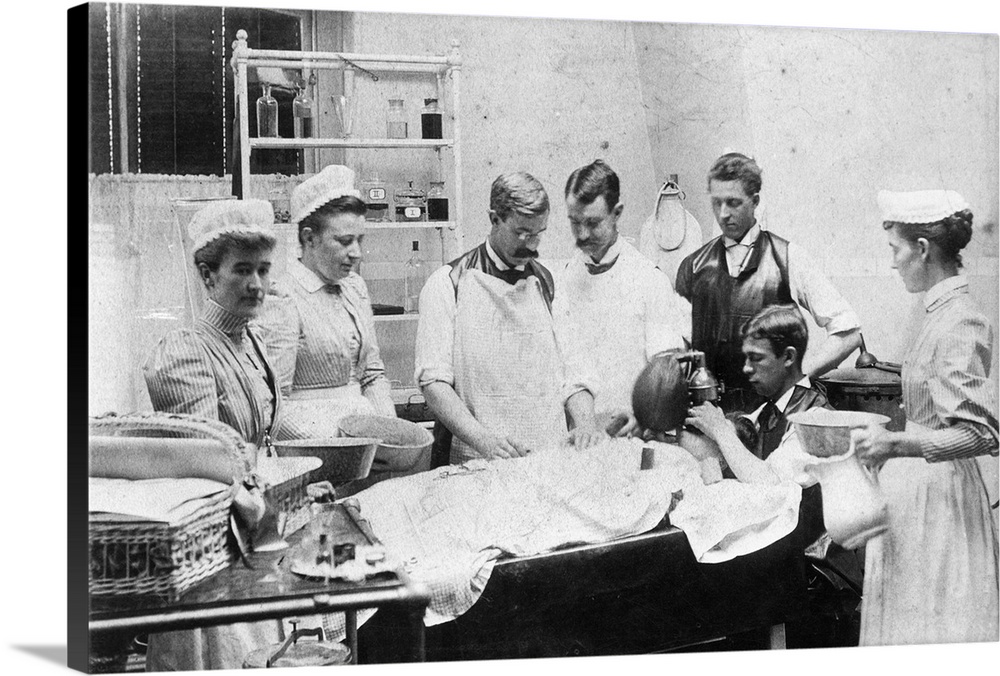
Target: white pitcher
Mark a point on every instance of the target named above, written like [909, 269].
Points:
[854, 510]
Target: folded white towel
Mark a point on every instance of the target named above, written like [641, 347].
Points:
[166, 500]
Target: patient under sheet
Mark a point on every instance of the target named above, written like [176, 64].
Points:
[450, 525]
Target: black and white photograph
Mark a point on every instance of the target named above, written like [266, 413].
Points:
[501, 335]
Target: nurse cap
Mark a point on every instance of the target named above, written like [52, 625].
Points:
[921, 206]
[334, 181]
[230, 217]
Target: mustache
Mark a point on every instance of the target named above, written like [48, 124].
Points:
[524, 252]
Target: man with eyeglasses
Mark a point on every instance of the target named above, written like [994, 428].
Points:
[732, 277]
[615, 309]
[486, 354]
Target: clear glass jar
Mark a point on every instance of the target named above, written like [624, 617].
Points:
[302, 115]
[431, 126]
[411, 204]
[396, 120]
[437, 202]
[376, 198]
[267, 114]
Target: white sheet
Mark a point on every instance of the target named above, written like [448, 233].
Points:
[451, 524]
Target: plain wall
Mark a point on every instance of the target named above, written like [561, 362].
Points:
[831, 115]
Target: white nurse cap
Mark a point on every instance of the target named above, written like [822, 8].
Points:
[921, 206]
[334, 181]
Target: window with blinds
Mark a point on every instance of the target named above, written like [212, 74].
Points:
[161, 88]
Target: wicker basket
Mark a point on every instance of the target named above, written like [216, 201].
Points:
[130, 555]
[178, 425]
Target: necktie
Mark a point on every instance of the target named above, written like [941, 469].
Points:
[598, 268]
[770, 431]
[332, 288]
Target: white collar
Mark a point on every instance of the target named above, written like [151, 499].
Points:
[309, 280]
[936, 292]
[748, 239]
[496, 258]
[783, 400]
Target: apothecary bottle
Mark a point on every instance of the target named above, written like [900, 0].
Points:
[396, 120]
[437, 202]
[267, 114]
[302, 115]
[376, 198]
[414, 280]
[430, 120]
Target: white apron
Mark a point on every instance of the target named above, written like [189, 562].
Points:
[608, 336]
[932, 577]
[508, 371]
[316, 413]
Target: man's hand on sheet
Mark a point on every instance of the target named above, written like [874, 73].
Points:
[586, 436]
[495, 446]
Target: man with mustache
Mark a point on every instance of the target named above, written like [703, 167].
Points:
[735, 275]
[486, 354]
[615, 309]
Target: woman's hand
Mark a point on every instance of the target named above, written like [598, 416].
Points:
[873, 445]
[708, 419]
[321, 491]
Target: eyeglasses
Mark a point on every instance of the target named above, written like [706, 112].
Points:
[528, 236]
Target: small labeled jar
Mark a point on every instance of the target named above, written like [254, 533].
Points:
[411, 204]
[376, 199]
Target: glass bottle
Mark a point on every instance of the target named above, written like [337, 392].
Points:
[281, 205]
[267, 114]
[413, 280]
[411, 204]
[375, 197]
[323, 553]
[437, 202]
[396, 120]
[430, 120]
[302, 115]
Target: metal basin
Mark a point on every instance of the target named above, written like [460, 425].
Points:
[405, 446]
[344, 458]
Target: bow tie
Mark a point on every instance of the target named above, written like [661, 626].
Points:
[598, 268]
[332, 288]
[512, 275]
